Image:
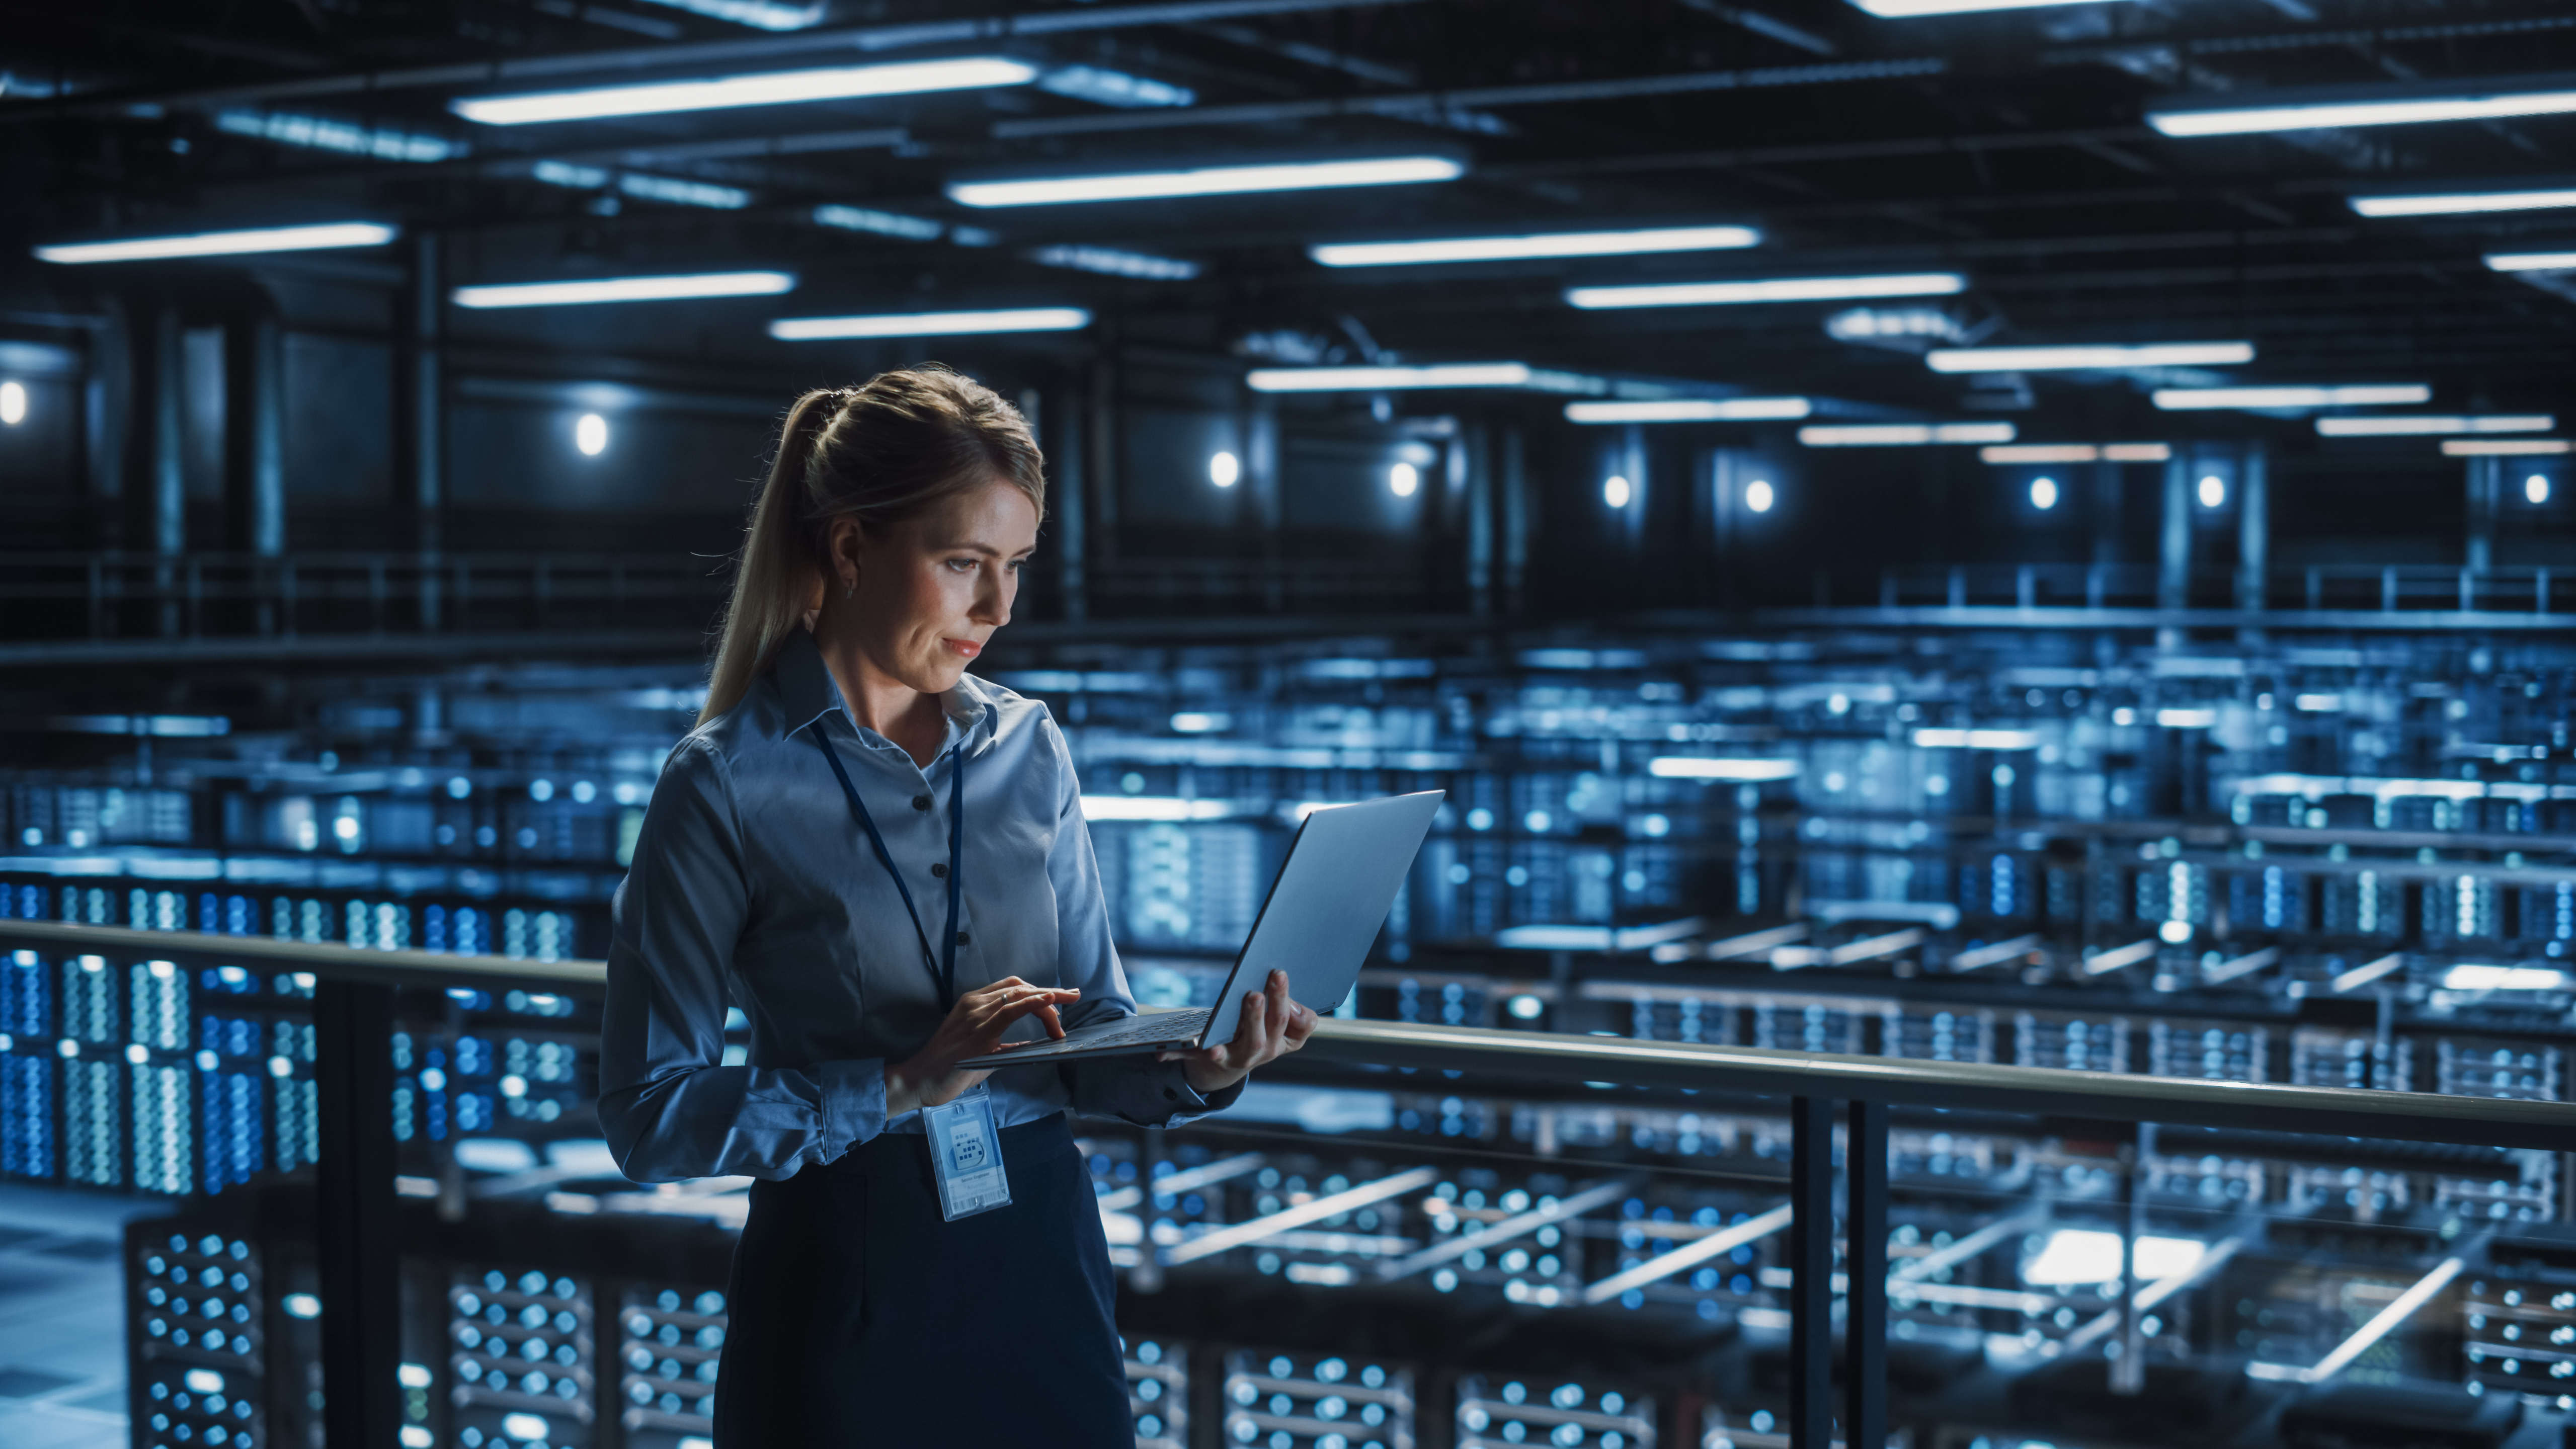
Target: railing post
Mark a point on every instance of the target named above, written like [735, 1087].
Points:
[1865, 1276]
[2540, 593]
[2024, 591]
[2315, 589]
[1811, 1272]
[2129, 1369]
[2388, 590]
[1958, 588]
[354, 1225]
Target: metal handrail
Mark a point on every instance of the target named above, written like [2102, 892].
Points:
[1556, 1057]
[356, 1243]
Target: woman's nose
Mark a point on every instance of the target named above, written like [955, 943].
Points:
[993, 604]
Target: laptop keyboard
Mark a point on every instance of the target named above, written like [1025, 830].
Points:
[1157, 1027]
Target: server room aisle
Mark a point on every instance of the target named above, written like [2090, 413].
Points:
[62, 1317]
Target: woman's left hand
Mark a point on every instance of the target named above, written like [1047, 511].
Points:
[1272, 1026]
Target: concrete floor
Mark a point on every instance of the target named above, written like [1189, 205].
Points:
[62, 1317]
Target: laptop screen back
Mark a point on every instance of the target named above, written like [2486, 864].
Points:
[1332, 894]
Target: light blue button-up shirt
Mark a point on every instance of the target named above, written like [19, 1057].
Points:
[752, 885]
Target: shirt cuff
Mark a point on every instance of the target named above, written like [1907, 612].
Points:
[1186, 1101]
[854, 1103]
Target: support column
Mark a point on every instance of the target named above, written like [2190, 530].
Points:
[1071, 456]
[2173, 554]
[1628, 457]
[156, 519]
[255, 459]
[254, 437]
[1516, 522]
[1479, 444]
[2483, 474]
[156, 498]
[1269, 504]
[2253, 534]
[107, 411]
[2106, 513]
[2253, 524]
[420, 414]
[1100, 440]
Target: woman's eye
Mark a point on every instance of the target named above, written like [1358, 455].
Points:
[961, 563]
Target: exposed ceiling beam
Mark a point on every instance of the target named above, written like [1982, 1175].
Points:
[803, 45]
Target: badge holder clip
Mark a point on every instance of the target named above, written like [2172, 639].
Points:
[966, 1155]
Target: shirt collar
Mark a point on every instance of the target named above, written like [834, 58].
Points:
[807, 691]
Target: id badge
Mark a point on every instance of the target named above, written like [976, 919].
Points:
[966, 1155]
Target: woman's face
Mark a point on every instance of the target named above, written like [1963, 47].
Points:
[932, 589]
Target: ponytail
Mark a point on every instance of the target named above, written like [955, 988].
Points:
[881, 452]
[775, 570]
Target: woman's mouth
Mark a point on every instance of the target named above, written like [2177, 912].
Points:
[963, 648]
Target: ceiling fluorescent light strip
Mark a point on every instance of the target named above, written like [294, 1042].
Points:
[625, 289]
[758, 14]
[930, 324]
[1913, 9]
[1111, 262]
[2078, 453]
[1380, 379]
[2531, 261]
[766, 88]
[1207, 181]
[1114, 88]
[2434, 426]
[1777, 289]
[222, 243]
[2504, 447]
[1535, 245]
[883, 223]
[1691, 410]
[2186, 399]
[2494, 100]
[2105, 357]
[321, 133]
[1903, 435]
[2463, 203]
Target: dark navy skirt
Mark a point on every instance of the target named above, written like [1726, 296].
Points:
[860, 1317]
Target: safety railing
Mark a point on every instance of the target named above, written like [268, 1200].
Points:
[2339, 589]
[121, 594]
[353, 1005]
[319, 595]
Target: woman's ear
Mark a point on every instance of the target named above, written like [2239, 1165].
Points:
[843, 546]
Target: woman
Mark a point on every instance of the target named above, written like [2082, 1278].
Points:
[882, 860]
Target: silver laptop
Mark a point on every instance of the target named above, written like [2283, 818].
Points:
[1330, 896]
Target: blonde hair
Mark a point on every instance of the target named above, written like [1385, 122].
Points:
[881, 452]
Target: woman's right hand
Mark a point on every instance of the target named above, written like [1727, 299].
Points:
[973, 1028]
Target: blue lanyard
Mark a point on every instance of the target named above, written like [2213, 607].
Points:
[943, 964]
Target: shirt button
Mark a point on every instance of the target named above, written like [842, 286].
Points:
[920, 802]
[939, 868]
[961, 938]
